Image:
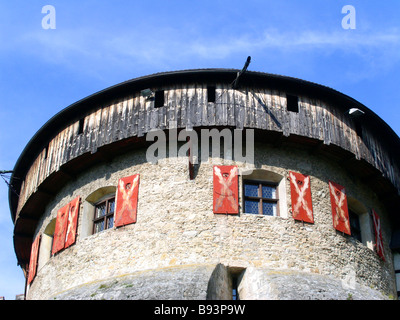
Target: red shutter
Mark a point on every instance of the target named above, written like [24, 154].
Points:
[378, 235]
[340, 214]
[60, 229]
[126, 200]
[72, 222]
[225, 195]
[34, 259]
[301, 197]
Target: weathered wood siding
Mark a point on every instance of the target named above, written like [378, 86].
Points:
[187, 106]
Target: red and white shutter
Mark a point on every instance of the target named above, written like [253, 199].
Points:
[60, 229]
[70, 236]
[33, 259]
[340, 213]
[226, 190]
[126, 200]
[378, 235]
[301, 197]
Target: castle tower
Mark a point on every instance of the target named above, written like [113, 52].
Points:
[191, 185]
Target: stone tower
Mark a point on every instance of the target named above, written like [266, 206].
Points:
[191, 185]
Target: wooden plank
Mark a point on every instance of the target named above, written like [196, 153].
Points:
[118, 120]
[276, 112]
[147, 108]
[189, 107]
[327, 125]
[218, 105]
[319, 121]
[171, 109]
[184, 106]
[230, 107]
[251, 109]
[258, 105]
[70, 139]
[135, 115]
[224, 105]
[204, 106]
[240, 105]
[141, 111]
[194, 107]
[59, 149]
[124, 119]
[281, 99]
[95, 131]
[103, 127]
[264, 110]
[178, 106]
[314, 121]
[162, 117]
[153, 118]
[268, 103]
[199, 105]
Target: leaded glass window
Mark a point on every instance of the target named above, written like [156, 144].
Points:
[104, 215]
[260, 197]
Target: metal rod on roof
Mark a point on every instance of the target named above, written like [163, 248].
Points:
[239, 74]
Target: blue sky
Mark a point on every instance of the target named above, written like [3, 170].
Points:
[97, 44]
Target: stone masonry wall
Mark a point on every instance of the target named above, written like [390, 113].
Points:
[177, 240]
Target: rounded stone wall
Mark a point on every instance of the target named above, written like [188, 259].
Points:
[179, 249]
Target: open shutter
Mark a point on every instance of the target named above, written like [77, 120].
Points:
[126, 200]
[300, 190]
[340, 214]
[378, 235]
[226, 190]
[34, 259]
[60, 229]
[72, 222]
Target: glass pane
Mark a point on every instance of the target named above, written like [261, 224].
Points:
[100, 210]
[234, 296]
[269, 192]
[110, 222]
[111, 205]
[251, 190]
[251, 206]
[269, 209]
[99, 226]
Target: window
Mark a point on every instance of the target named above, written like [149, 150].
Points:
[210, 94]
[263, 193]
[355, 226]
[361, 224]
[80, 125]
[260, 198]
[46, 151]
[159, 99]
[91, 209]
[235, 291]
[292, 103]
[104, 215]
[359, 129]
[46, 243]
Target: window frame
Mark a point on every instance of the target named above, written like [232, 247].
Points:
[106, 216]
[356, 231]
[259, 198]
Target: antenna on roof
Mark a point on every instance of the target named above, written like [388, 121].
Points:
[6, 179]
[240, 73]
